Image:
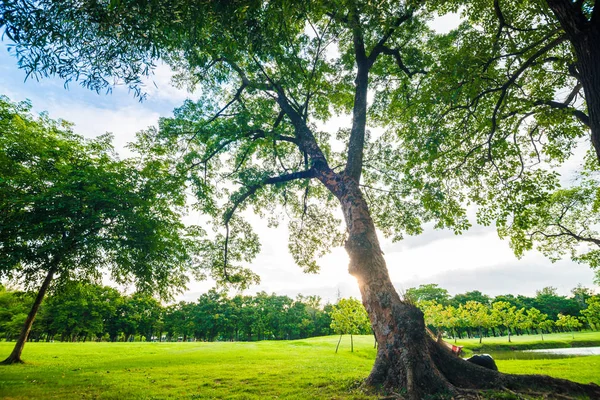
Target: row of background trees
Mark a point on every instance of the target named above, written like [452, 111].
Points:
[474, 314]
[83, 312]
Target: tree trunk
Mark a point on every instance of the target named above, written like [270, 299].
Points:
[408, 359]
[403, 352]
[338, 345]
[15, 356]
[584, 35]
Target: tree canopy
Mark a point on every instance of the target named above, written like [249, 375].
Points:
[72, 211]
[70, 206]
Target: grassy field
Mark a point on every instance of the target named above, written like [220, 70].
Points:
[264, 370]
[525, 342]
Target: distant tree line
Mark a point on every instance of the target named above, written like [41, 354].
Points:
[90, 312]
[474, 314]
[85, 312]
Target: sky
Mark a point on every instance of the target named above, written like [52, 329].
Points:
[475, 260]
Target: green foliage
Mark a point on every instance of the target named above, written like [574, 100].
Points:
[515, 315]
[535, 319]
[476, 108]
[475, 295]
[568, 322]
[592, 312]
[14, 306]
[427, 292]
[349, 316]
[71, 207]
[79, 312]
[269, 75]
[561, 223]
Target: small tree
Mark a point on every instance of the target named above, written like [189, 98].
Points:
[569, 323]
[453, 320]
[349, 317]
[592, 312]
[535, 320]
[478, 316]
[70, 207]
[547, 325]
[434, 315]
[505, 314]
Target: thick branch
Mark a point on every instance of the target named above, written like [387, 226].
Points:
[356, 143]
[581, 116]
[304, 137]
[381, 44]
[570, 16]
[250, 190]
[398, 57]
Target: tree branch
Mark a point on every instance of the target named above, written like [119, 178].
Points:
[396, 54]
[512, 79]
[567, 232]
[580, 115]
[250, 190]
[380, 46]
[356, 143]
[252, 135]
[304, 137]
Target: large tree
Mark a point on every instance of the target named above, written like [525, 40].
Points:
[71, 211]
[272, 74]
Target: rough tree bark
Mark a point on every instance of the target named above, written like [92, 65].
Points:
[584, 35]
[15, 356]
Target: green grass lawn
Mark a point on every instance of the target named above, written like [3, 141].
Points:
[523, 342]
[264, 370]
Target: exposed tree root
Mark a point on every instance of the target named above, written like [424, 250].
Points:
[11, 360]
[464, 380]
[427, 369]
